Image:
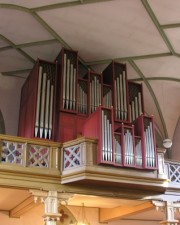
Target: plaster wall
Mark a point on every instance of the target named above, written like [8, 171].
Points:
[10, 91]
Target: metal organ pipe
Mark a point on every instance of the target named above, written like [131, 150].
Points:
[133, 111]
[138, 152]
[64, 82]
[121, 98]
[38, 101]
[99, 92]
[43, 105]
[136, 106]
[74, 89]
[69, 84]
[47, 108]
[95, 93]
[149, 145]
[129, 153]
[107, 97]
[117, 144]
[71, 88]
[124, 95]
[117, 98]
[152, 144]
[106, 137]
[103, 136]
[82, 97]
[51, 110]
[92, 95]
[121, 101]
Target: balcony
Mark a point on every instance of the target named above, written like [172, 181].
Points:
[34, 163]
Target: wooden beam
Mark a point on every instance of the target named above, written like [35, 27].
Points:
[23, 207]
[106, 215]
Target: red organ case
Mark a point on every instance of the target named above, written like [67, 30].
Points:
[37, 107]
[72, 97]
[64, 99]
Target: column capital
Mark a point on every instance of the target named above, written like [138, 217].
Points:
[42, 195]
[169, 207]
[51, 200]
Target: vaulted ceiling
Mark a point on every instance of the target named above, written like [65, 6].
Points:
[144, 34]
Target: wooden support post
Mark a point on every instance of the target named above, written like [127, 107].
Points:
[51, 204]
[51, 200]
[169, 209]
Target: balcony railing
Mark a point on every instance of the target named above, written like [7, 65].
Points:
[173, 171]
[29, 154]
[73, 157]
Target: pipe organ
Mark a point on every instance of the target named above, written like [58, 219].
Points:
[68, 83]
[136, 106]
[107, 96]
[37, 112]
[82, 97]
[64, 99]
[95, 91]
[116, 77]
[144, 126]
[107, 142]
[138, 152]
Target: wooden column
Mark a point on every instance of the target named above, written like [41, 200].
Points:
[51, 204]
[169, 209]
[51, 200]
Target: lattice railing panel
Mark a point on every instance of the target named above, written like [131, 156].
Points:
[38, 156]
[12, 152]
[174, 172]
[72, 156]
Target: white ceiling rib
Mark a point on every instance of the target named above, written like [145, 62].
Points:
[145, 33]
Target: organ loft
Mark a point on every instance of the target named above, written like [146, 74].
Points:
[63, 99]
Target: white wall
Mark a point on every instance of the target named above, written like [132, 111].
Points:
[92, 215]
[35, 217]
[10, 90]
[175, 150]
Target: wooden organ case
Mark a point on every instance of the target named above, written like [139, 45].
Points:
[62, 100]
[37, 107]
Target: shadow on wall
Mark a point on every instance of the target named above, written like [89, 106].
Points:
[175, 149]
[2, 124]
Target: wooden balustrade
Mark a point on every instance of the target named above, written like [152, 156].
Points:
[29, 155]
[72, 161]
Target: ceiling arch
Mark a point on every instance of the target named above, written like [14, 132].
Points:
[136, 34]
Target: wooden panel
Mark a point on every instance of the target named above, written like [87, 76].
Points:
[70, 126]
